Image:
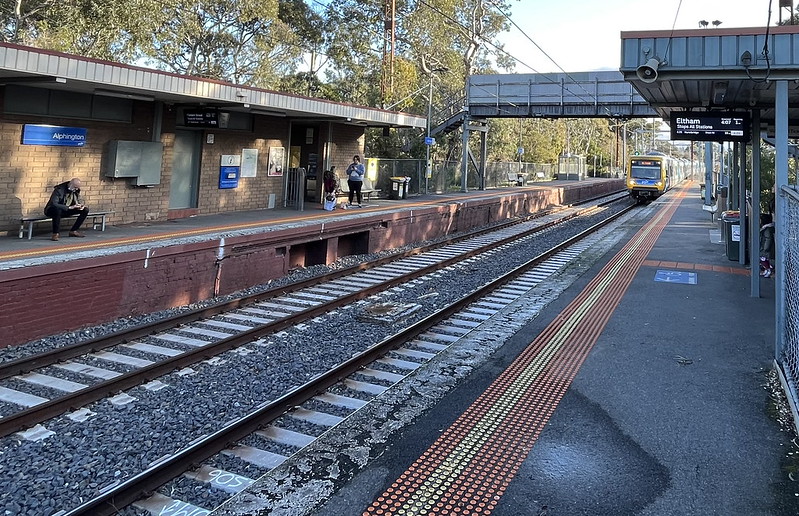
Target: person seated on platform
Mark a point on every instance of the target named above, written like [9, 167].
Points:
[355, 173]
[330, 181]
[66, 202]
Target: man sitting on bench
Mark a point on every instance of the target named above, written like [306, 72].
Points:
[66, 202]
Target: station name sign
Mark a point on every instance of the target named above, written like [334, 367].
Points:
[710, 126]
[38, 134]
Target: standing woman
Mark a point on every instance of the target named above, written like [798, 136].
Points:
[355, 173]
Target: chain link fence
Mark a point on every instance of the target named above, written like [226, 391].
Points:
[788, 334]
[446, 176]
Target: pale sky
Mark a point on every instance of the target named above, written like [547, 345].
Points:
[583, 35]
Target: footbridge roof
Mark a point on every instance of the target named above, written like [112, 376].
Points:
[571, 95]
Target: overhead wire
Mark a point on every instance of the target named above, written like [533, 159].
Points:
[671, 36]
[543, 51]
[438, 11]
[503, 51]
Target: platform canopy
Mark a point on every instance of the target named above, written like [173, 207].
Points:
[714, 69]
[54, 70]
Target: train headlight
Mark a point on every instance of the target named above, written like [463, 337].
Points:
[659, 183]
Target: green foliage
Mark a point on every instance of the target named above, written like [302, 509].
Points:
[20, 21]
[92, 28]
[218, 39]
[336, 51]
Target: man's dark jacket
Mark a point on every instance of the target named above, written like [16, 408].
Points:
[59, 197]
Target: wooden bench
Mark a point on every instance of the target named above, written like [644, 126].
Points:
[98, 221]
[366, 190]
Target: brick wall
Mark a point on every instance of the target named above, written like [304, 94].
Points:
[252, 192]
[350, 142]
[29, 172]
[39, 300]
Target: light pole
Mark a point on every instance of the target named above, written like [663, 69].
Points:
[428, 141]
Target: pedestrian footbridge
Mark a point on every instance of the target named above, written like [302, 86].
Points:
[597, 94]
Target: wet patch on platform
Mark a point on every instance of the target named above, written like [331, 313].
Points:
[584, 465]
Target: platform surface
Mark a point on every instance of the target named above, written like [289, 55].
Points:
[669, 414]
[15, 252]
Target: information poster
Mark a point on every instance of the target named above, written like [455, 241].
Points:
[371, 168]
[277, 159]
[249, 163]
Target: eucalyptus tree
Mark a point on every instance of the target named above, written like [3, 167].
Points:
[306, 33]
[219, 39]
[101, 29]
[456, 35]
[18, 19]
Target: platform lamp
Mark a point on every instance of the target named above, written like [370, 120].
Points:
[428, 173]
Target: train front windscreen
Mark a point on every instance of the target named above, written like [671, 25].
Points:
[645, 169]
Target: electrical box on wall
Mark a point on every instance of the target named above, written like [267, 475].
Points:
[135, 159]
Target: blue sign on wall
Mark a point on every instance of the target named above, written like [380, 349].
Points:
[35, 134]
[229, 177]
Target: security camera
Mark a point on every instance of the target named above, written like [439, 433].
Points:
[648, 73]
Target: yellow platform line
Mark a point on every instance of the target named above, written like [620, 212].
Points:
[447, 478]
[117, 242]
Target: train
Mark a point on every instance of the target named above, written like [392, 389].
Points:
[650, 176]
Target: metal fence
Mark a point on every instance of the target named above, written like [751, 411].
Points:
[295, 188]
[787, 352]
[446, 176]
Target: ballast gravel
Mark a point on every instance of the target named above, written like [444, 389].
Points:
[119, 441]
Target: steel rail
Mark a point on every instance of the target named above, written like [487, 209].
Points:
[148, 481]
[38, 361]
[31, 416]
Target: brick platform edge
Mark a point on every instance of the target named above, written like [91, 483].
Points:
[54, 298]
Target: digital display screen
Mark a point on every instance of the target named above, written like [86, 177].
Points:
[201, 118]
[710, 126]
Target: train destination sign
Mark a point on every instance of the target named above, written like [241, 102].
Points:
[201, 118]
[710, 126]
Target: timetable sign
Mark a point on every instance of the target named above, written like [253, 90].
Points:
[201, 118]
[700, 126]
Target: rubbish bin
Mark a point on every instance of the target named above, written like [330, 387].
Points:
[397, 188]
[732, 226]
[407, 187]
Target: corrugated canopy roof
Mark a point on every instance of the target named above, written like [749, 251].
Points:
[47, 69]
[714, 69]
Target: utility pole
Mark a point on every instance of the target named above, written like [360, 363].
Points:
[387, 82]
[428, 171]
[428, 141]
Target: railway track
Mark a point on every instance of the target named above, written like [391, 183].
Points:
[201, 334]
[209, 333]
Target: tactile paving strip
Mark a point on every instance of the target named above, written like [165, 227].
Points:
[468, 468]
